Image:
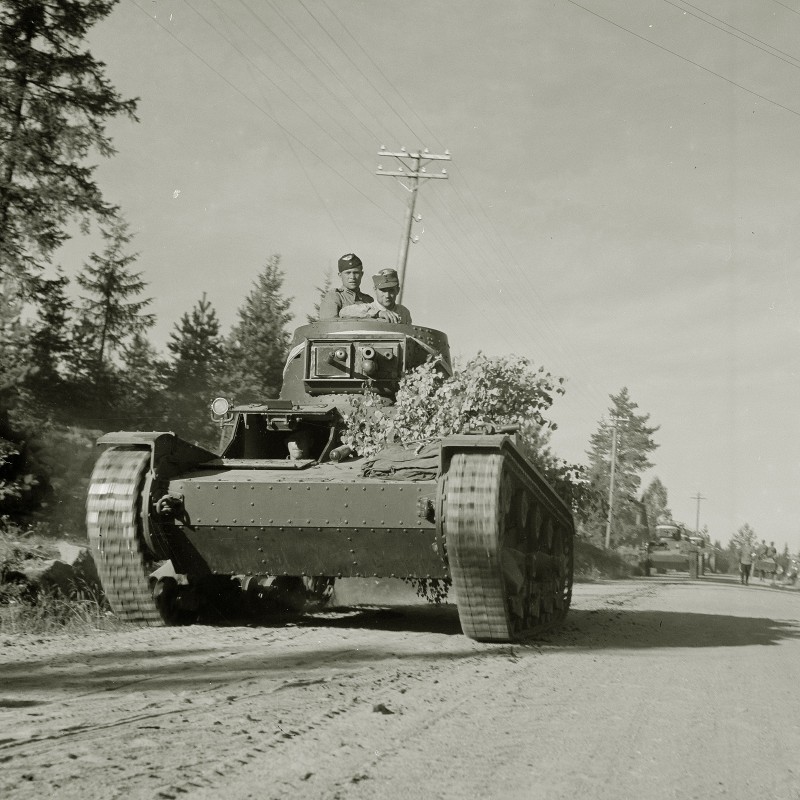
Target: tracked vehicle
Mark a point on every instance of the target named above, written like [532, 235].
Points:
[283, 503]
[674, 549]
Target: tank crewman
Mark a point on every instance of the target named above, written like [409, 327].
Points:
[351, 271]
[386, 307]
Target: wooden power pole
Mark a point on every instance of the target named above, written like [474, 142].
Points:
[697, 497]
[411, 168]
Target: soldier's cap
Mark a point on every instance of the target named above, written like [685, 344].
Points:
[349, 261]
[385, 278]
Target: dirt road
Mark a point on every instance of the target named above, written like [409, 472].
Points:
[655, 688]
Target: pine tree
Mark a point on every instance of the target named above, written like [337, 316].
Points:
[55, 101]
[258, 343]
[15, 355]
[194, 375]
[142, 403]
[321, 292]
[634, 444]
[111, 307]
[49, 344]
[655, 501]
[744, 539]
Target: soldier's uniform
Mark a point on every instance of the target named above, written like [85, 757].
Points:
[385, 279]
[336, 299]
[371, 310]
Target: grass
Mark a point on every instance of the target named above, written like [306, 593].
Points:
[53, 613]
[29, 609]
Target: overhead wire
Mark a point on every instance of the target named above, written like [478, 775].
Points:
[299, 161]
[745, 37]
[263, 111]
[225, 13]
[687, 60]
[263, 74]
[331, 70]
[539, 325]
[381, 95]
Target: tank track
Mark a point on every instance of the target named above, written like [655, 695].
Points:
[114, 525]
[511, 559]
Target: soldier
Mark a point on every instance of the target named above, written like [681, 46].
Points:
[745, 563]
[386, 307]
[350, 271]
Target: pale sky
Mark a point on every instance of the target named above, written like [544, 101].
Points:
[622, 205]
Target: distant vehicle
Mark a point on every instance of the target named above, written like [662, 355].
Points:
[674, 548]
[765, 567]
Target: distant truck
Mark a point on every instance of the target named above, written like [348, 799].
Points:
[674, 548]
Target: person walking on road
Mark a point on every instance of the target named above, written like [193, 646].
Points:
[745, 564]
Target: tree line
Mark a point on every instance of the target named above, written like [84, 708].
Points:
[88, 365]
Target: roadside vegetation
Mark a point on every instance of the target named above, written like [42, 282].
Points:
[29, 605]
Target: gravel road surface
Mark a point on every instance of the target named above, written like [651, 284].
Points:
[653, 688]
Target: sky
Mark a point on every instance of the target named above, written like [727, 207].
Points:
[621, 205]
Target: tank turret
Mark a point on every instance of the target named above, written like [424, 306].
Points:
[338, 356]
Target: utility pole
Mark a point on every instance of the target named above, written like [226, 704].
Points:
[615, 421]
[697, 497]
[413, 173]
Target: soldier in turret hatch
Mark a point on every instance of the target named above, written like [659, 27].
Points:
[386, 307]
[350, 271]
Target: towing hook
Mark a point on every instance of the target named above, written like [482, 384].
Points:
[170, 506]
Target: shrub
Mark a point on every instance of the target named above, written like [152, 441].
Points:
[489, 392]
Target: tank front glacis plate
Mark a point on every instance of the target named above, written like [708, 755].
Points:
[669, 560]
[257, 522]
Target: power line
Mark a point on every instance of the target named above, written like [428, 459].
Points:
[259, 108]
[687, 60]
[745, 37]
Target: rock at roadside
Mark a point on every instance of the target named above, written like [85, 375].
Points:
[73, 575]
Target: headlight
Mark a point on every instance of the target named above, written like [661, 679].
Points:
[220, 406]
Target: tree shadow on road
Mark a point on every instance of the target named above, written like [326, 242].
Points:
[133, 669]
[608, 629]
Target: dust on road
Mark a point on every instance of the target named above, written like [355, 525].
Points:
[654, 688]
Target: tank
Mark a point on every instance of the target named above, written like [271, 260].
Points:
[674, 549]
[283, 505]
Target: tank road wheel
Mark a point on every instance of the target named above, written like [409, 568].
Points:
[169, 598]
[114, 523]
[510, 559]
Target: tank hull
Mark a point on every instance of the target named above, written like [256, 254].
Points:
[321, 521]
[487, 523]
